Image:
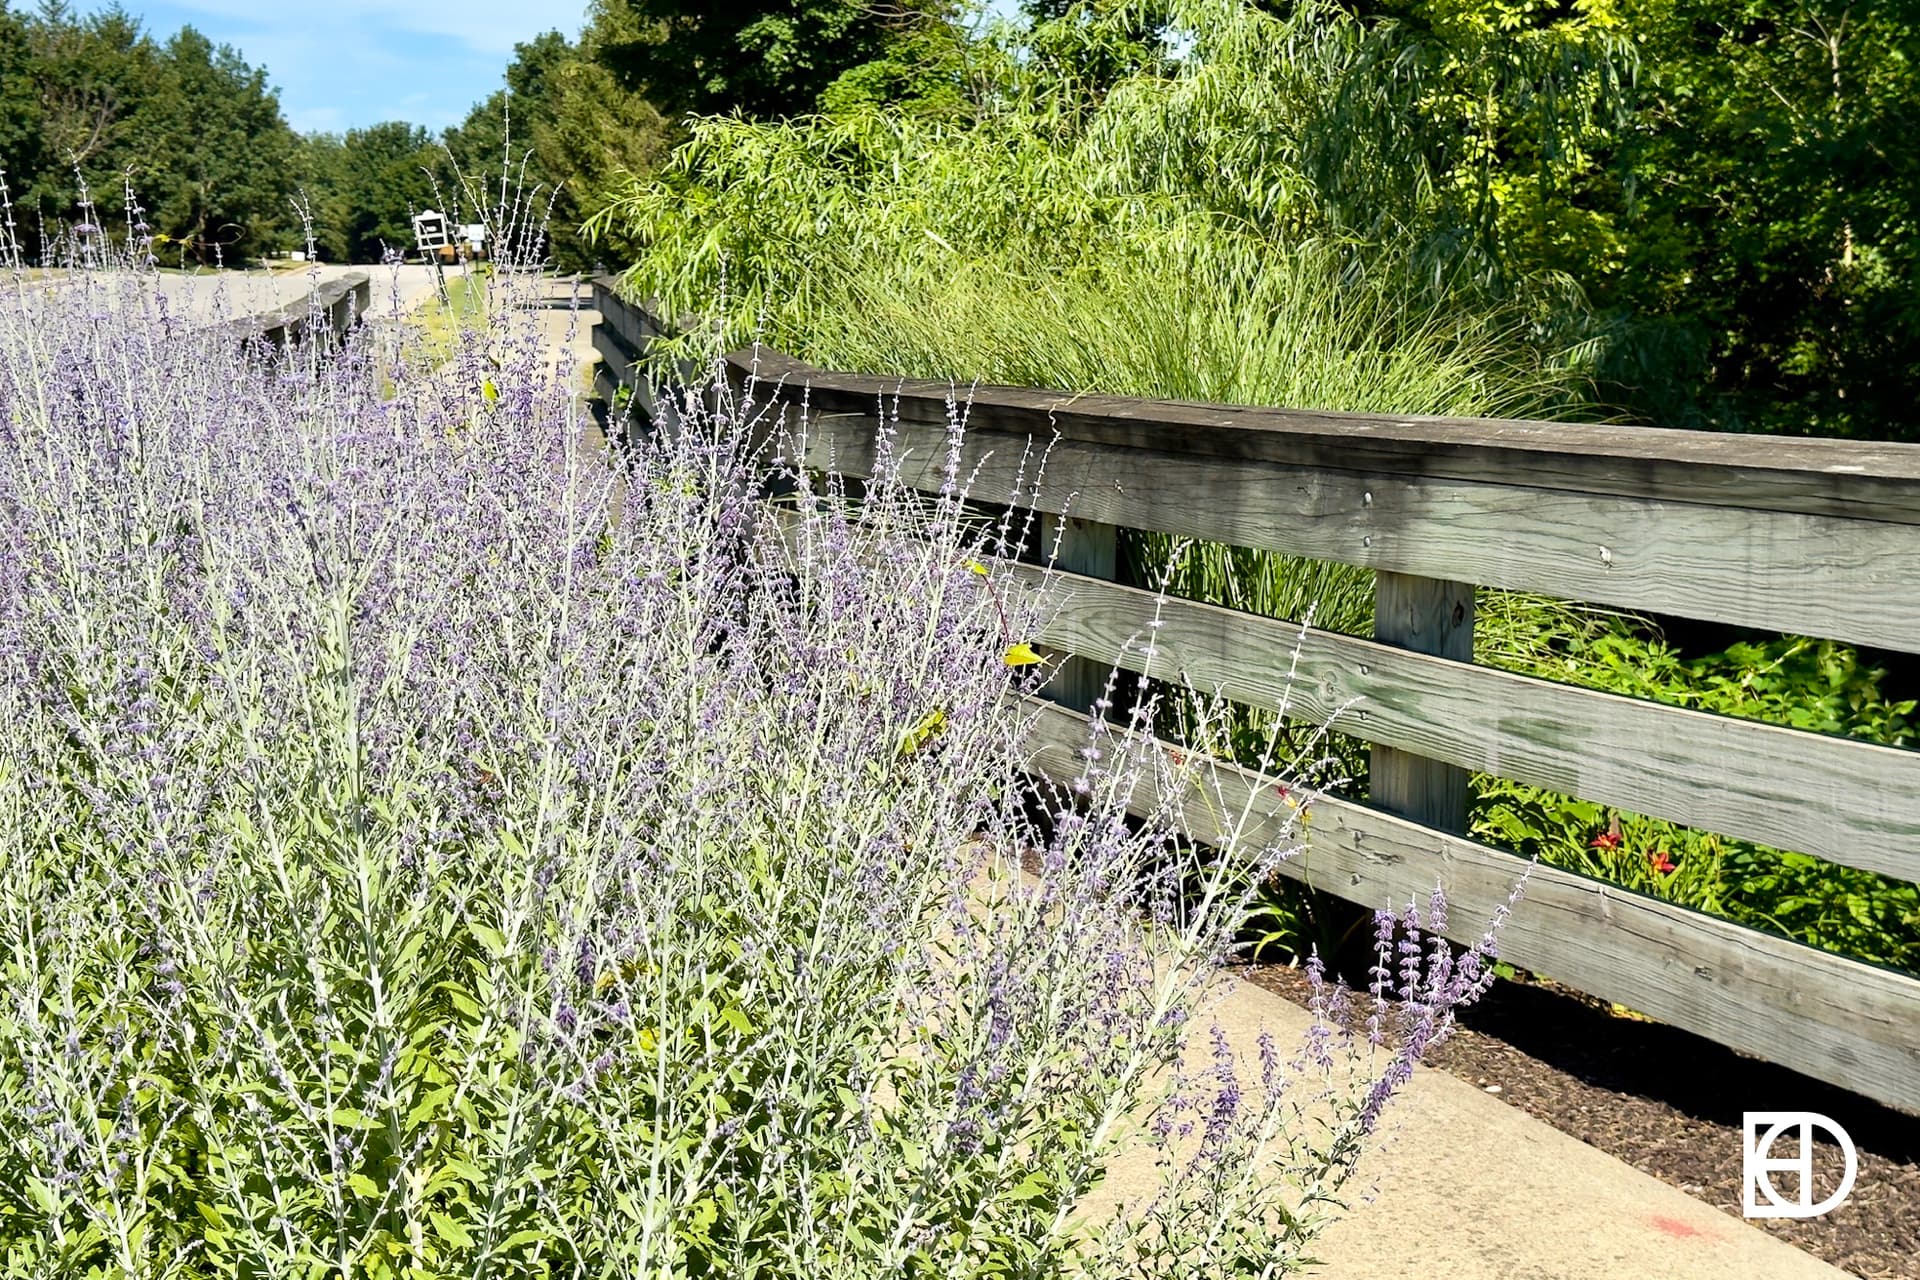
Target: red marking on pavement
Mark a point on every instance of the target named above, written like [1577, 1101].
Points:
[1677, 1229]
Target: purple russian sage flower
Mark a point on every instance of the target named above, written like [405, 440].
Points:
[1272, 1074]
[408, 632]
[1412, 954]
[1225, 1109]
[1381, 973]
[1324, 1003]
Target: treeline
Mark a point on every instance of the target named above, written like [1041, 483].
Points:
[535, 153]
[86, 100]
[94, 104]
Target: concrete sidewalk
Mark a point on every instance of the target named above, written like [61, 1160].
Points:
[1470, 1188]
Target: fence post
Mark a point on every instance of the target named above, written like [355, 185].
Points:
[1084, 547]
[1426, 615]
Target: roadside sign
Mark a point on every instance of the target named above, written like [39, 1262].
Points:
[430, 230]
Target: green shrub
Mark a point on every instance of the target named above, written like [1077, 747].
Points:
[1817, 685]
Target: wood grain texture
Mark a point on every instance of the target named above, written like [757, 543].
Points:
[1847, 478]
[1091, 550]
[1430, 616]
[1851, 1024]
[1851, 802]
[1807, 574]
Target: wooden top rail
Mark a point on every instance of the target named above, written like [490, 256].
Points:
[334, 303]
[1852, 479]
[1825, 542]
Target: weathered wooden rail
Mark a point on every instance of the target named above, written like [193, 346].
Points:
[1814, 537]
[327, 312]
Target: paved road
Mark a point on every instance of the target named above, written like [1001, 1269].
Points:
[558, 308]
[217, 295]
[398, 290]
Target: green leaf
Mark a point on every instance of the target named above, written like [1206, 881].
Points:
[43, 1197]
[460, 1000]
[489, 937]
[519, 1238]
[1032, 1187]
[450, 1231]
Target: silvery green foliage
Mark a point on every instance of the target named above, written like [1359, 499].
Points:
[433, 845]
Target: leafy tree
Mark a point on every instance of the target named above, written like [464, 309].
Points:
[319, 168]
[1081, 49]
[1782, 224]
[547, 147]
[1714, 179]
[383, 175]
[596, 130]
[92, 76]
[218, 166]
[92, 101]
[480, 142]
[500, 172]
[22, 149]
[767, 59]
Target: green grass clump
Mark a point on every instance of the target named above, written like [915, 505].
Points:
[445, 322]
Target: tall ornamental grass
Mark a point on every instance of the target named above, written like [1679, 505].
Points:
[432, 845]
[1241, 216]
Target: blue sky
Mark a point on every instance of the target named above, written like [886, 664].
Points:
[343, 63]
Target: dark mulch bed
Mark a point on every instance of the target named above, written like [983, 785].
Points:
[1669, 1103]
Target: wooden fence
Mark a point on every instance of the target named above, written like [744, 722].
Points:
[1814, 537]
[333, 305]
